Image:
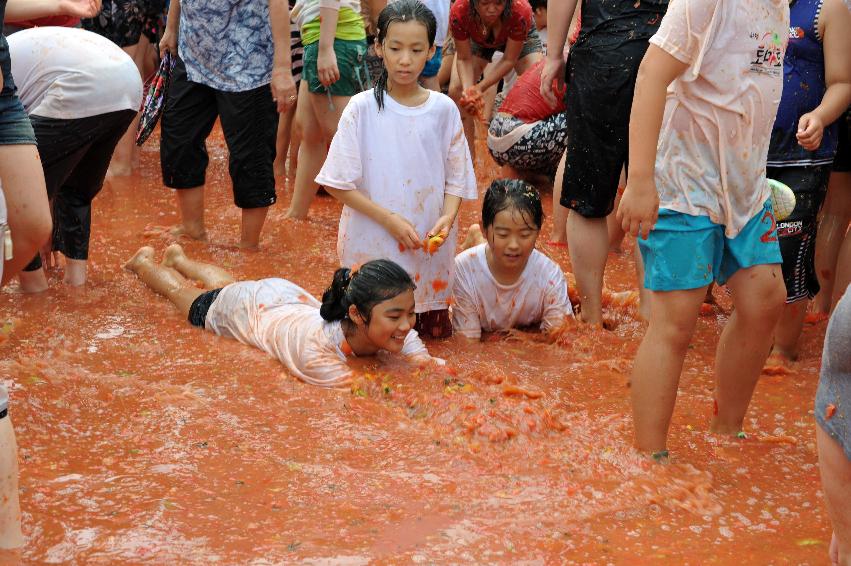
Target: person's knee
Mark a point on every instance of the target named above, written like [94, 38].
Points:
[674, 332]
[765, 298]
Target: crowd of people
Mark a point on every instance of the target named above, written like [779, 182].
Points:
[655, 119]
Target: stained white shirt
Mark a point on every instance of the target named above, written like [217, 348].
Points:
[406, 159]
[282, 319]
[713, 145]
[481, 303]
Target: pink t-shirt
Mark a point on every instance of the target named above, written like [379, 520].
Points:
[714, 140]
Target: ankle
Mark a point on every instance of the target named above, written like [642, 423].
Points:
[33, 281]
[75, 272]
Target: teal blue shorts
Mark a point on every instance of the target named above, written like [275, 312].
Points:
[689, 252]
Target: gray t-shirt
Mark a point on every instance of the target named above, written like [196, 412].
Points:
[833, 397]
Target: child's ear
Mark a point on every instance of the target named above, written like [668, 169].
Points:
[378, 49]
[355, 316]
[431, 51]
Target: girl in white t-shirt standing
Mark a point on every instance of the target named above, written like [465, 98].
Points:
[400, 164]
[364, 312]
[502, 281]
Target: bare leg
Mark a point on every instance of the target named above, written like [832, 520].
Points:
[123, 156]
[559, 234]
[831, 232]
[75, 272]
[474, 237]
[444, 75]
[163, 280]
[252, 225]
[295, 145]
[10, 508]
[191, 205]
[659, 363]
[643, 293]
[430, 83]
[588, 240]
[836, 481]
[33, 281]
[788, 330]
[758, 295]
[26, 201]
[212, 276]
[282, 145]
[318, 124]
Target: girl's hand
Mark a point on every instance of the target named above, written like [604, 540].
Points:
[283, 88]
[639, 207]
[553, 72]
[80, 8]
[168, 42]
[403, 231]
[810, 131]
[441, 227]
[326, 66]
[471, 100]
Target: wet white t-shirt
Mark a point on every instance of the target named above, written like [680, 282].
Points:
[71, 73]
[714, 140]
[483, 304]
[405, 159]
[282, 319]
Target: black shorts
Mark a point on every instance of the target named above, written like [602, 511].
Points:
[600, 85]
[842, 161]
[200, 306]
[249, 122]
[797, 234]
[75, 154]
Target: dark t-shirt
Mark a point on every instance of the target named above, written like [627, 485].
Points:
[615, 24]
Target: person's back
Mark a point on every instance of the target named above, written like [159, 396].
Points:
[71, 73]
[718, 115]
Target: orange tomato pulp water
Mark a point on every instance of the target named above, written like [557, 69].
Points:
[144, 440]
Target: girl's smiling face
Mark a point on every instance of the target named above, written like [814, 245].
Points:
[389, 322]
[405, 51]
[511, 238]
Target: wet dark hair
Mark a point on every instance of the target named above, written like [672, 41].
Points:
[538, 4]
[507, 194]
[374, 282]
[401, 11]
[506, 10]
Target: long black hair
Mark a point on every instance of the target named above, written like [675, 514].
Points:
[513, 194]
[374, 282]
[401, 11]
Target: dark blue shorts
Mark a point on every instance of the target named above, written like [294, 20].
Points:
[15, 127]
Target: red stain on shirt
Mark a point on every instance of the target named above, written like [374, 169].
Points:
[439, 285]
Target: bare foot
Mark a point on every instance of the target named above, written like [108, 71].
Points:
[246, 247]
[75, 272]
[145, 254]
[180, 231]
[172, 255]
[778, 363]
[293, 215]
[726, 429]
[119, 170]
[33, 281]
[474, 237]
